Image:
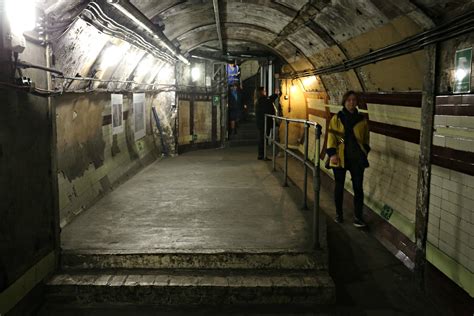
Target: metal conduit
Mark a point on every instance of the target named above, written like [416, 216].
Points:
[129, 10]
[461, 25]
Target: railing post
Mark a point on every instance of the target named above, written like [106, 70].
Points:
[273, 144]
[265, 138]
[305, 166]
[285, 183]
[316, 185]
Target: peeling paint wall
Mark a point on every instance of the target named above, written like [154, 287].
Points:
[91, 161]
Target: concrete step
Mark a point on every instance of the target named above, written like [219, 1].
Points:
[191, 288]
[211, 259]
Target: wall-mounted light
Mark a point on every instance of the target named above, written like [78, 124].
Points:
[195, 73]
[21, 15]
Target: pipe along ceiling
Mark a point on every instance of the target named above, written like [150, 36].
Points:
[315, 37]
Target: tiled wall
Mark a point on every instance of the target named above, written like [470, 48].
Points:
[91, 161]
[451, 227]
[451, 211]
[391, 180]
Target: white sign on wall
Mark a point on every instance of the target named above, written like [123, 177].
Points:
[139, 115]
[117, 113]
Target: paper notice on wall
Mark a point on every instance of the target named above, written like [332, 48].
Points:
[139, 115]
[117, 113]
[462, 72]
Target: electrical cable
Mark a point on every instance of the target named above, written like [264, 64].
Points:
[461, 25]
[99, 13]
[150, 49]
[28, 89]
[22, 64]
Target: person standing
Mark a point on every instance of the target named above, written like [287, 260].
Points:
[262, 107]
[348, 147]
[235, 109]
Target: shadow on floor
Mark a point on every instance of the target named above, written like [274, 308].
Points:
[369, 279]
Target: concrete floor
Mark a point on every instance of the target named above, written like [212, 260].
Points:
[210, 199]
[369, 279]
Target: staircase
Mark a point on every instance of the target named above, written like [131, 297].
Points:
[180, 278]
[247, 133]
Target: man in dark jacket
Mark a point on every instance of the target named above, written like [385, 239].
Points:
[262, 107]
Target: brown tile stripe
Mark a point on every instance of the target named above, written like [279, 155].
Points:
[455, 105]
[455, 110]
[411, 99]
[453, 159]
[107, 119]
[455, 99]
[399, 132]
[459, 105]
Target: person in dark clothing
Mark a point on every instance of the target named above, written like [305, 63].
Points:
[262, 107]
[235, 108]
[348, 147]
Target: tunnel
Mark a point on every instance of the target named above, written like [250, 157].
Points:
[236, 157]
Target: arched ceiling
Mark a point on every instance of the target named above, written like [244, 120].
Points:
[308, 26]
[286, 27]
[306, 34]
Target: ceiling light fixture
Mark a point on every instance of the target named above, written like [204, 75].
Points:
[21, 15]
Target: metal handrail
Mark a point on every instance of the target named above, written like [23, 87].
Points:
[315, 166]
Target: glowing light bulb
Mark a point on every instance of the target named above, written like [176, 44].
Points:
[21, 15]
[195, 73]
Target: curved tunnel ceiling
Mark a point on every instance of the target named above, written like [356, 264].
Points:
[306, 34]
[308, 26]
[291, 29]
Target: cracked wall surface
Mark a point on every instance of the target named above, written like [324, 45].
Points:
[91, 160]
